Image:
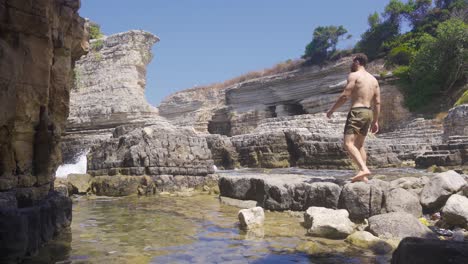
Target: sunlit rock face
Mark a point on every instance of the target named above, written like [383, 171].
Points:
[40, 41]
[453, 151]
[240, 108]
[109, 90]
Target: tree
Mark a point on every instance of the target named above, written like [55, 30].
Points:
[439, 64]
[373, 20]
[323, 43]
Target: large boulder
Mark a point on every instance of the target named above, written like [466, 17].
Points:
[401, 200]
[251, 218]
[397, 225]
[438, 190]
[412, 184]
[427, 251]
[329, 223]
[455, 211]
[323, 194]
[362, 200]
[115, 185]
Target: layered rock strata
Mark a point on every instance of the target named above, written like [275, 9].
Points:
[162, 152]
[306, 141]
[240, 108]
[453, 151]
[109, 90]
[39, 44]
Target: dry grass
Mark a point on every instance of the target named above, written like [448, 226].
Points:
[286, 66]
[440, 116]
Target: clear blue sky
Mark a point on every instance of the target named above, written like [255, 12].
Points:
[207, 41]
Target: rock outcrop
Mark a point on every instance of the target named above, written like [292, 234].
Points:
[109, 91]
[453, 151]
[40, 41]
[239, 109]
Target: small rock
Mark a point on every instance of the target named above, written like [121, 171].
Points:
[251, 218]
[328, 223]
[455, 211]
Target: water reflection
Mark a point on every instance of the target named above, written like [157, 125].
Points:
[187, 230]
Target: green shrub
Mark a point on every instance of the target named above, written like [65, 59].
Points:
[401, 55]
[95, 31]
[323, 43]
[97, 44]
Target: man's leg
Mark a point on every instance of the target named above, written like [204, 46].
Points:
[354, 152]
[359, 143]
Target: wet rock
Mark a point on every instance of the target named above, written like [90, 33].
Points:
[365, 239]
[427, 251]
[397, 225]
[400, 200]
[251, 218]
[115, 185]
[62, 189]
[362, 200]
[328, 223]
[455, 211]
[81, 183]
[438, 190]
[237, 203]
[8, 200]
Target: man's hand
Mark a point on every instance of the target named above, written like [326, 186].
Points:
[329, 113]
[375, 127]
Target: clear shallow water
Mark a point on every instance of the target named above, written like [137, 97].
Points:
[194, 229]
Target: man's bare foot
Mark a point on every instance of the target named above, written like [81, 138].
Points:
[361, 176]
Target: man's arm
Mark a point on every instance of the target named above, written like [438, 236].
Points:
[376, 110]
[344, 96]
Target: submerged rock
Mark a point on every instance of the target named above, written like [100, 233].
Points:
[397, 225]
[365, 239]
[237, 203]
[440, 187]
[328, 223]
[251, 218]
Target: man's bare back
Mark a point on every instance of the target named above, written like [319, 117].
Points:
[365, 88]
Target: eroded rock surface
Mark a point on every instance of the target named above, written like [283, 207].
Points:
[398, 226]
[329, 223]
[440, 187]
[109, 91]
[40, 40]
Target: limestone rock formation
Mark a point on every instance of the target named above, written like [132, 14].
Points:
[238, 109]
[40, 41]
[401, 200]
[454, 150]
[109, 90]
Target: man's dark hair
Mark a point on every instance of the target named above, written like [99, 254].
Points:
[361, 58]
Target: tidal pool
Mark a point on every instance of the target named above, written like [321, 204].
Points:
[197, 229]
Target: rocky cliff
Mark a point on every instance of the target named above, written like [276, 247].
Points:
[109, 90]
[40, 40]
[240, 108]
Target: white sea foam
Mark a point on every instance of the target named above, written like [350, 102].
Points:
[79, 167]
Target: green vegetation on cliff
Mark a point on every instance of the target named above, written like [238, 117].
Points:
[431, 58]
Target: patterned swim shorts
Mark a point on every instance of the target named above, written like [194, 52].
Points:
[358, 121]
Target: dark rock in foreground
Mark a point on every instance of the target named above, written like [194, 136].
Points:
[414, 250]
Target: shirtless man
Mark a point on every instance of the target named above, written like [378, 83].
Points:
[363, 89]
